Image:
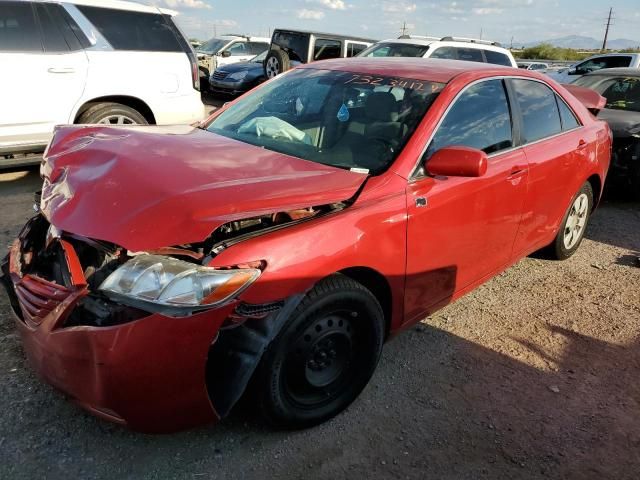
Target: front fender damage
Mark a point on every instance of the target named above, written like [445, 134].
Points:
[237, 351]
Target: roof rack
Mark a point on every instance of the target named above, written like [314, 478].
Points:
[417, 37]
[470, 40]
[237, 35]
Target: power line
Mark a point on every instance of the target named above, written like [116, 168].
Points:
[606, 32]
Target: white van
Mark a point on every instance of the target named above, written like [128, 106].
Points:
[452, 48]
[90, 61]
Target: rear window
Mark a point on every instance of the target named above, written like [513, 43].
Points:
[59, 31]
[497, 58]
[540, 115]
[18, 31]
[126, 30]
[296, 45]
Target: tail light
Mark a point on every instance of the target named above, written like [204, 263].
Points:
[195, 71]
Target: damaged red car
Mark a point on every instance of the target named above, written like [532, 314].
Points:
[275, 247]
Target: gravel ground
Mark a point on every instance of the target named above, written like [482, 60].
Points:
[533, 375]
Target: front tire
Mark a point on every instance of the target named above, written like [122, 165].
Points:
[112, 114]
[574, 224]
[323, 357]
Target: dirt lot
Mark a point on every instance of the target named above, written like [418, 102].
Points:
[534, 375]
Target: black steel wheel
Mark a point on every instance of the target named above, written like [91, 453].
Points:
[323, 357]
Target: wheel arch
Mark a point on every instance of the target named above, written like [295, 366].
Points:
[132, 102]
[378, 285]
[596, 185]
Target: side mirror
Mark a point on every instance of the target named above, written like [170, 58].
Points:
[225, 54]
[457, 162]
[574, 71]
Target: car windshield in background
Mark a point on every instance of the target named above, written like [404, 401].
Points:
[259, 58]
[622, 93]
[212, 46]
[395, 50]
[342, 119]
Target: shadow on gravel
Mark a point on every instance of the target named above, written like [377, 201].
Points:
[612, 224]
[19, 180]
[438, 407]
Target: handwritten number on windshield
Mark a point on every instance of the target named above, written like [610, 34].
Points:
[382, 81]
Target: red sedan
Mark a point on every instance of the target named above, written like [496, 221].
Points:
[279, 244]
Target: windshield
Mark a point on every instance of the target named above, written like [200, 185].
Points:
[622, 93]
[212, 46]
[259, 58]
[395, 50]
[341, 119]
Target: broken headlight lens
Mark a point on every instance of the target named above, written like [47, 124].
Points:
[170, 283]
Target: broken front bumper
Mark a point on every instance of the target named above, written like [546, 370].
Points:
[149, 374]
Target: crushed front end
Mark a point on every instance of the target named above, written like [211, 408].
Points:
[124, 364]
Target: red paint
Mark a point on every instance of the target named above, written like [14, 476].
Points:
[458, 162]
[432, 238]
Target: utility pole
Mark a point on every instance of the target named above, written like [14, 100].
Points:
[606, 32]
[511, 45]
[404, 29]
[480, 33]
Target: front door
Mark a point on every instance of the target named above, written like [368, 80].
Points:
[462, 230]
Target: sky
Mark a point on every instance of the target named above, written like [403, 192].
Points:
[499, 20]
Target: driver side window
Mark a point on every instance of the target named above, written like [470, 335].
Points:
[480, 118]
[238, 49]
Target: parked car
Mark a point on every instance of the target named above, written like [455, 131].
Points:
[290, 48]
[451, 48]
[533, 65]
[227, 50]
[74, 62]
[282, 241]
[238, 78]
[597, 62]
[621, 88]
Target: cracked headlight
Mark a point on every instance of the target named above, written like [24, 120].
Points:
[165, 284]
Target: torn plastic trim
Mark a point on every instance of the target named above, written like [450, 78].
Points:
[236, 352]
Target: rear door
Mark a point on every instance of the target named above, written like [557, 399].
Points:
[555, 144]
[43, 71]
[460, 230]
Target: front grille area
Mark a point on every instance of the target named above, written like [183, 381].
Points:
[39, 297]
[219, 75]
[61, 276]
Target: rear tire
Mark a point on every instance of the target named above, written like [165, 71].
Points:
[112, 114]
[275, 63]
[323, 357]
[574, 224]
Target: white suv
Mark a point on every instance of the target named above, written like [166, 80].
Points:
[453, 48]
[90, 61]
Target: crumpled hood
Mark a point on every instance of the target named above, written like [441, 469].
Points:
[151, 187]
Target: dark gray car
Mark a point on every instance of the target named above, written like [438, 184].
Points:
[621, 88]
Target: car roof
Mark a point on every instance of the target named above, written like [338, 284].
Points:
[616, 72]
[447, 43]
[427, 69]
[325, 34]
[120, 5]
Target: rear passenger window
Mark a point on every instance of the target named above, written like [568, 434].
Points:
[126, 30]
[60, 32]
[354, 49]
[470, 55]
[324, 49]
[497, 58]
[18, 31]
[445, 52]
[567, 117]
[540, 116]
[256, 48]
[238, 49]
[480, 118]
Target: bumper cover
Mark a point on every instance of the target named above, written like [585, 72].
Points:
[149, 374]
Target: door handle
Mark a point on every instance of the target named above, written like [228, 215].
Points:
[517, 171]
[61, 70]
[582, 144]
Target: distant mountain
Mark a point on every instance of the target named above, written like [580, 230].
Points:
[587, 43]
